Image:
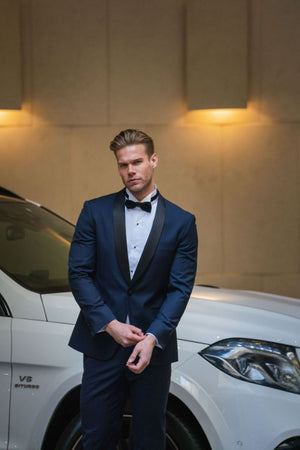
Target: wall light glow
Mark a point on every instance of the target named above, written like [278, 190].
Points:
[217, 116]
[16, 117]
[228, 116]
[7, 116]
[222, 114]
[8, 112]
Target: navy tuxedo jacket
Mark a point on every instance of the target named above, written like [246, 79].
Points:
[154, 300]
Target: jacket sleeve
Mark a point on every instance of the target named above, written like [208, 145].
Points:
[181, 281]
[82, 268]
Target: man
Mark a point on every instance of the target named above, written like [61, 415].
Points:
[132, 268]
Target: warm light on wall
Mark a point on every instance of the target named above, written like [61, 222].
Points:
[16, 117]
[4, 112]
[7, 114]
[222, 115]
[251, 114]
[217, 116]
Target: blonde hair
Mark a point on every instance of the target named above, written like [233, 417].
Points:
[132, 137]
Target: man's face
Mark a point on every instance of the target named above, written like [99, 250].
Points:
[136, 169]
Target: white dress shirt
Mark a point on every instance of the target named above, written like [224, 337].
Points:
[138, 227]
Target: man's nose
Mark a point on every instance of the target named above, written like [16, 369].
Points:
[130, 168]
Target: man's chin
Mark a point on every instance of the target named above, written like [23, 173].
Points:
[134, 187]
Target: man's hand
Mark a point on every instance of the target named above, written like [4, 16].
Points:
[142, 353]
[123, 333]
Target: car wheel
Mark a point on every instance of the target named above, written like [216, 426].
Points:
[180, 435]
[71, 439]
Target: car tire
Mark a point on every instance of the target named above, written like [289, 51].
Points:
[71, 438]
[180, 435]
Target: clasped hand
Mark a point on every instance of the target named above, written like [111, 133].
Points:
[128, 335]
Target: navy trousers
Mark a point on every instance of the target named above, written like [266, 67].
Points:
[106, 386]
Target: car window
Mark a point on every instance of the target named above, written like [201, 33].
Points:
[34, 246]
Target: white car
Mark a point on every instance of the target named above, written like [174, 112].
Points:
[236, 384]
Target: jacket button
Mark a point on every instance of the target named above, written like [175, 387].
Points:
[129, 292]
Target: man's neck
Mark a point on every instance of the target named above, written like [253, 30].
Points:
[142, 197]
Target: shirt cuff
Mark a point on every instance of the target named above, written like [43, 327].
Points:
[157, 343]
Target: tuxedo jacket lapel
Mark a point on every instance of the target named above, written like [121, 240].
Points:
[120, 235]
[121, 242]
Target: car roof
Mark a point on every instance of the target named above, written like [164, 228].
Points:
[7, 193]
[8, 199]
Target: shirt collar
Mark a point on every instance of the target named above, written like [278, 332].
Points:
[145, 199]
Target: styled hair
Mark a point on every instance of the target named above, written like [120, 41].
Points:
[132, 137]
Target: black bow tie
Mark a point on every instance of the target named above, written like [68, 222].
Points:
[145, 206]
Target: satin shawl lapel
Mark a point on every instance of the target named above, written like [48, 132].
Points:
[120, 235]
[152, 241]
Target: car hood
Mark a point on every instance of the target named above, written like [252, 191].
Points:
[216, 314]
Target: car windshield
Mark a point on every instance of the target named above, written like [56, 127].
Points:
[34, 246]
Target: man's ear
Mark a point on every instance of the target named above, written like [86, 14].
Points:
[154, 160]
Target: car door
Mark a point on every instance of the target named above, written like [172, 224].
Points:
[5, 371]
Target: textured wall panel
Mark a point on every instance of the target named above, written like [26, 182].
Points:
[216, 68]
[70, 62]
[35, 163]
[261, 191]
[94, 170]
[280, 58]
[146, 61]
[10, 55]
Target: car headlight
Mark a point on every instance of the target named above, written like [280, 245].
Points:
[260, 362]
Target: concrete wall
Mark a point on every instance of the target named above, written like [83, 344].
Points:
[94, 67]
